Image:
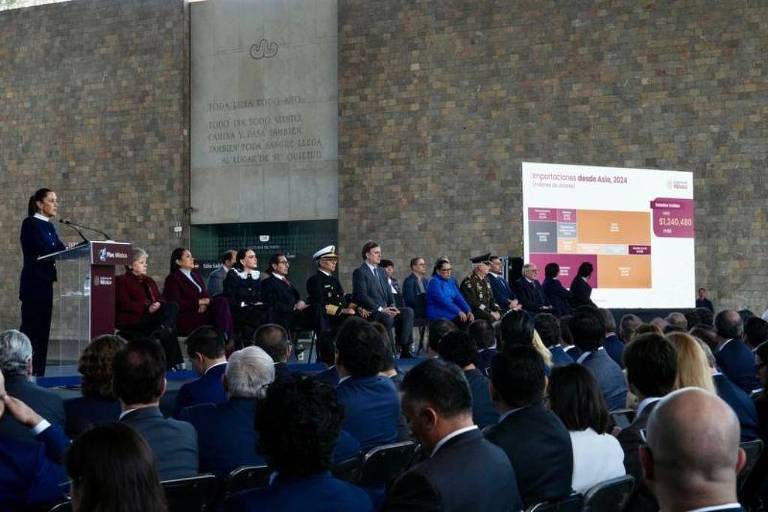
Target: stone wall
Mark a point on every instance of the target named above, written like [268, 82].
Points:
[440, 102]
[94, 106]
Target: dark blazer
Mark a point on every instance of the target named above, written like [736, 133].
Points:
[573, 351]
[279, 294]
[173, 442]
[38, 238]
[371, 410]
[29, 473]
[467, 473]
[483, 412]
[560, 357]
[737, 362]
[330, 376]
[615, 348]
[581, 293]
[133, 296]
[316, 493]
[207, 389]
[630, 439]
[282, 372]
[557, 295]
[530, 295]
[85, 412]
[484, 358]
[741, 404]
[539, 447]
[180, 290]
[415, 298]
[44, 402]
[369, 291]
[705, 303]
[502, 292]
[609, 377]
[216, 281]
[239, 290]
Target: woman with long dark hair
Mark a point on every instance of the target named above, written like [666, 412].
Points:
[38, 238]
[581, 290]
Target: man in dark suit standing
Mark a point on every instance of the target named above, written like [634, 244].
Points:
[371, 290]
[415, 288]
[216, 278]
[462, 470]
[139, 382]
[502, 292]
[205, 348]
[692, 455]
[535, 440]
[703, 302]
[529, 291]
[733, 357]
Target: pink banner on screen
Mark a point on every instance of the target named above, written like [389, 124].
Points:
[542, 214]
[569, 265]
[566, 215]
[673, 218]
[639, 249]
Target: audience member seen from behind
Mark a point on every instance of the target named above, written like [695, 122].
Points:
[692, 367]
[517, 328]
[98, 403]
[438, 329]
[692, 456]
[548, 327]
[761, 400]
[755, 332]
[16, 365]
[733, 356]
[297, 424]
[627, 327]
[458, 348]
[462, 471]
[111, 468]
[139, 382]
[484, 336]
[576, 399]
[247, 375]
[565, 333]
[612, 344]
[274, 340]
[371, 403]
[533, 437]
[444, 300]
[205, 349]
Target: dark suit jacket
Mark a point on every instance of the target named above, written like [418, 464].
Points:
[38, 238]
[207, 389]
[502, 292]
[539, 447]
[573, 351]
[85, 412]
[741, 404]
[239, 290]
[29, 472]
[133, 296]
[179, 289]
[317, 493]
[483, 412]
[737, 362]
[557, 295]
[330, 376]
[530, 295]
[560, 357]
[216, 281]
[615, 348]
[467, 473]
[371, 410]
[173, 442]
[279, 294]
[413, 297]
[581, 293]
[369, 291]
[609, 377]
[642, 499]
[484, 358]
[46, 403]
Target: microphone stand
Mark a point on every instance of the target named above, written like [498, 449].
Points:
[94, 230]
[73, 226]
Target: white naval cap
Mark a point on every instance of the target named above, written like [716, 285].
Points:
[325, 252]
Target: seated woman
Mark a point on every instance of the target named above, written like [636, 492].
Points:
[98, 404]
[140, 309]
[577, 400]
[444, 300]
[186, 287]
[242, 288]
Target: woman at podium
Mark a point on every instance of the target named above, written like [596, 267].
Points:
[38, 238]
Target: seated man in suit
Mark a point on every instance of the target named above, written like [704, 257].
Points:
[458, 348]
[205, 348]
[415, 289]
[16, 365]
[612, 344]
[477, 291]
[371, 291]
[273, 339]
[216, 278]
[588, 330]
[651, 363]
[371, 402]
[502, 292]
[282, 298]
[733, 357]
[529, 291]
[484, 336]
[548, 327]
[535, 440]
[31, 474]
[297, 425]
[394, 286]
[139, 382]
[326, 295]
[225, 435]
[692, 455]
[462, 470]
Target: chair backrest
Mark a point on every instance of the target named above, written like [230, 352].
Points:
[62, 507]
[348, 470]
[193, 494]
[572, 503]
[623, 417]
[611, 495]
[246, 477]
[383, 463]
[752, 449]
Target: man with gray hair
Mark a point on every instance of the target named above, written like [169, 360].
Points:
[627, 327]
[226, 437]
[16, 365]
[692, 455]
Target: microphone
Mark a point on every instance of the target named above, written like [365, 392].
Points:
[73, 226]
[76, 225]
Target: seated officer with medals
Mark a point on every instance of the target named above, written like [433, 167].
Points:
[326, 296]
[477, 291]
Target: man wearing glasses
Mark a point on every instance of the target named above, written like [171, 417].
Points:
[529, 291]
[476, 289]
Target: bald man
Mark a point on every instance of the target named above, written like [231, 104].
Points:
[692, 455]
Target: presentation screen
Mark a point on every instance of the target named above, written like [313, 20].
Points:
[635, 226]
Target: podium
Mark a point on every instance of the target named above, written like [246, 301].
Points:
[84, 300]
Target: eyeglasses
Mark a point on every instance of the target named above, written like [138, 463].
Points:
[283, 262]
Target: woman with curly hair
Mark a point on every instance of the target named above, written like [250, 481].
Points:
[98, 404]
